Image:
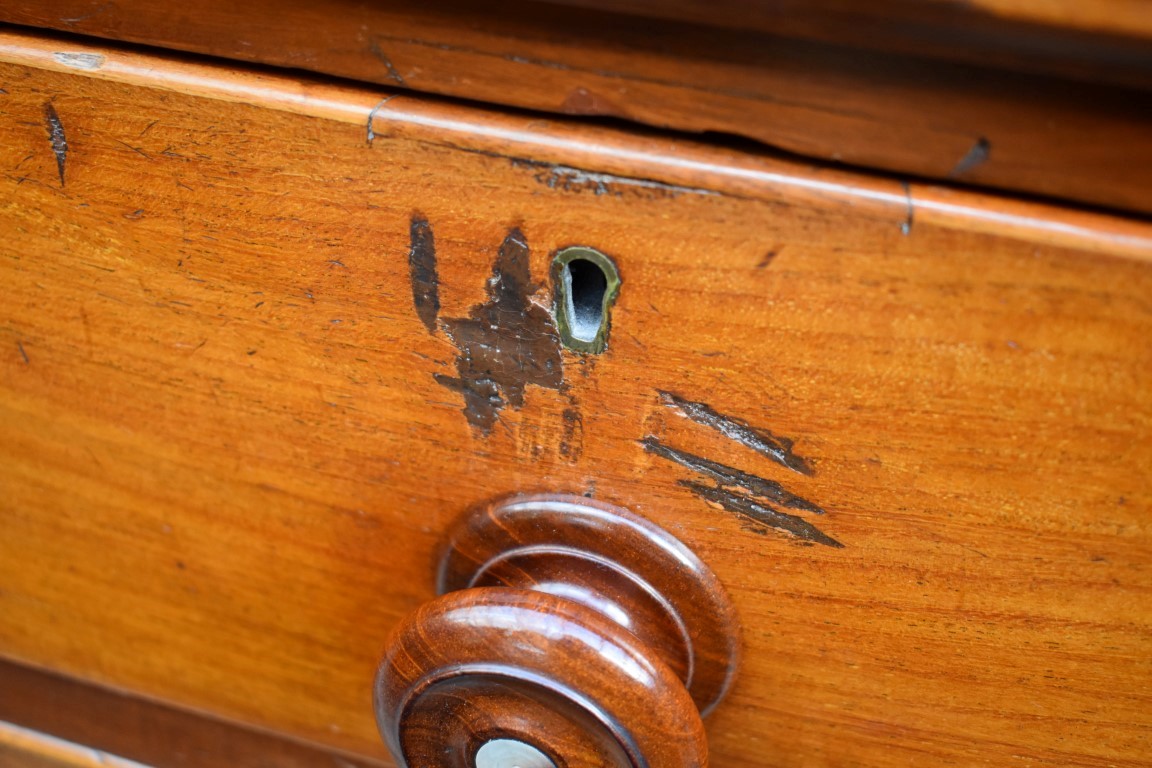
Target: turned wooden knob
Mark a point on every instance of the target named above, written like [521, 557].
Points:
[569, 633]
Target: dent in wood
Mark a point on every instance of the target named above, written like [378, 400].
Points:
[777, 448]
[749, 496]
[56, 136]
[506, 343]
[422, 271]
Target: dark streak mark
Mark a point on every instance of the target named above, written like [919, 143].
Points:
[768, 258]
[779, 449]
[730, 476]
[506, 343]
[761, 514]
[56, 136]
[422, 271]
[23, 354]
[572, 441]
[135, 214]
[976, 156]
[378, 52]
[906, 227]
[372, 117]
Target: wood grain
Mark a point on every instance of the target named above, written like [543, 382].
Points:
[1079, 137]
[227, 460]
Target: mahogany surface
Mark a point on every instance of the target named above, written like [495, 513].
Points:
[1071, 122]
[906, 426]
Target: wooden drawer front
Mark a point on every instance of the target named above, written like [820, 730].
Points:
[240, 401]
[23, 748]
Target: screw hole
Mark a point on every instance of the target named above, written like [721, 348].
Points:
[586, 284]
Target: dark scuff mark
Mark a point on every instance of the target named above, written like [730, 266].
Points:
[506, 343]
[730, 476]
[906, 227]
[56, 136]
[976, 156]
[23, 354]
[761, 514]
[768, 258]
[779, 449]
[422, 272]
[378, 52]
[572, 440]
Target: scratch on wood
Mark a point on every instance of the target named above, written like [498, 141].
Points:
[906, 226]
[506, 343]
[378, 52]
[748, 496]
[976, 156]
[372, 117]
[761, 514]
[570, 179]
[730, 476]
[23, 354]
[422, 271]
[779, 449]
[56, 136]
[137, 150]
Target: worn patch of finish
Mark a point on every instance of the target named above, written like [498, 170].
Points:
[504, 344]
[422, 272]
[56, 136]
[89, 61]
[572, 440]
[777, 448]
[749, 496]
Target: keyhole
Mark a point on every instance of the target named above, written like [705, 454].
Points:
[586, 285]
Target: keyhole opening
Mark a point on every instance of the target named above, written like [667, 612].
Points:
[586, 285]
